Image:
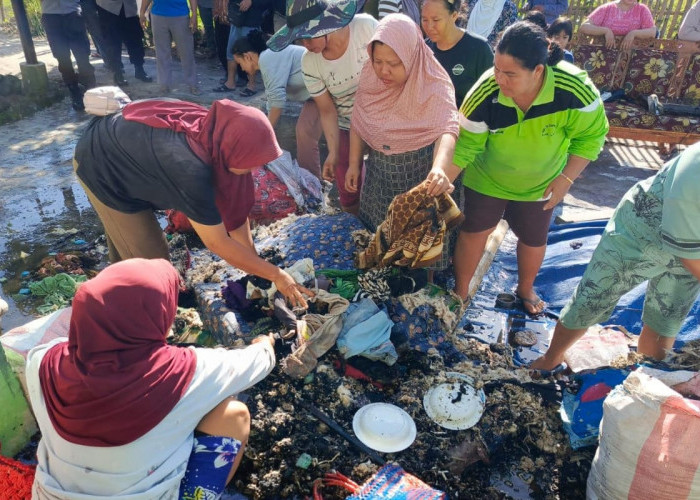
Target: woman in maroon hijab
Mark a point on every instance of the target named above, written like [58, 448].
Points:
[124, 415]
[163, 154]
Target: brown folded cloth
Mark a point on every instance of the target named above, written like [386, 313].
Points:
[413, 233]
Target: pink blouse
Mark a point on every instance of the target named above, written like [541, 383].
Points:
[610, 16]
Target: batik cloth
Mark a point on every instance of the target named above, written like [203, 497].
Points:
[414, 231]
[208, 467]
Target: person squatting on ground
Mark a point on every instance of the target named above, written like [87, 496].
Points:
[66, 33]
[282, 77]
[404, 113]
[530, 126]
[654, 236]
[163, 154]
[171, 21]
[123, 414]
[336, 42]
[120, 24]
[464, 56]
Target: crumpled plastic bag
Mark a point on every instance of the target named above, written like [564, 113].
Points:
[289, 172]
[318, 334]
[366, 332]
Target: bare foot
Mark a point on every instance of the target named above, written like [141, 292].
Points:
[543, 363]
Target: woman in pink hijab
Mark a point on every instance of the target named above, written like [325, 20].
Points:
[124, 415]
[404, 113]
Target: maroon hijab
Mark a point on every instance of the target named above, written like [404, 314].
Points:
[228, 135]
[116, 379]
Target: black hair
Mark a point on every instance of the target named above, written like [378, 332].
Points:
[536, 17]
[561, 24]
[528, 43]
[254, 41]
[451, 6]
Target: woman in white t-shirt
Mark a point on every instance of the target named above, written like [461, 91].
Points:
[124, 415]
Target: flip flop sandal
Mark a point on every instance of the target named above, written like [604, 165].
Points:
[246, 92]
[535, 305]
[223, 88]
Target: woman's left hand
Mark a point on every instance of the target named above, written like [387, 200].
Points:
[193, 23]
[437, 183]
[557, 189]
[627, 42]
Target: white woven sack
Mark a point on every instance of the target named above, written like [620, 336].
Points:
[102, 101]
[648, 443]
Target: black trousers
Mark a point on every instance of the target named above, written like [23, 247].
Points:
[92, 23]
[66, 33]
[221, 32]
[118, 29]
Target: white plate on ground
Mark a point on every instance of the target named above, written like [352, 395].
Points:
[455, 405]
[384, 427]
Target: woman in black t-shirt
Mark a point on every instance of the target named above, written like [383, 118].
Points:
[163, 154]
[465, 57]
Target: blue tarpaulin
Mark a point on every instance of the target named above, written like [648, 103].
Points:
[569, 249]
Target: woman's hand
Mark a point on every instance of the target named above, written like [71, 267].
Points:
[352, 179]
[628, 40]
[610, 39]
[143, 19]
[556, 191]
[269, 338]
[245, 5]
[329, 168]
[437, 183]
[193, 23]
[292, 291]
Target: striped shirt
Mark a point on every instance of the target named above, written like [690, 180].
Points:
[513, 155]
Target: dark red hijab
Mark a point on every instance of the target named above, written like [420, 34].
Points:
[228, 135]
[115, 379]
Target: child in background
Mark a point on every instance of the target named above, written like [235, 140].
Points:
[560, 31]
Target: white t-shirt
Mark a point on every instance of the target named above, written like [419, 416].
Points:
[341, 76]
[152, 466]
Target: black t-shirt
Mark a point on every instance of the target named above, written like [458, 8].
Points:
[132, 167]
[465, 62]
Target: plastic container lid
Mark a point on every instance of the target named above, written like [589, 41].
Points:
[384, 427]
[455, 405]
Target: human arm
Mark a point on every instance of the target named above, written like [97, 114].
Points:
[245, 5]
[145, 4]
[693, 266]
[238, 253]
[443, 173]
[275, 68]
[193, 15]
[357, 150]
[629, 38]
[588, 28]
[561, 184]
[331, 131]
[220, 10]
[690, 27]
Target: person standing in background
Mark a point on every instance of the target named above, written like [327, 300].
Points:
[171, 20]
[65, 30]
[119, 20]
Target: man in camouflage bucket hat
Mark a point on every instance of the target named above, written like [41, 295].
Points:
[313, 19]
[336, 39]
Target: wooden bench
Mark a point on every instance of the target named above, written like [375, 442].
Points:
[668, 68]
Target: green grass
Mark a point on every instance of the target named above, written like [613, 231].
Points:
[33, 8]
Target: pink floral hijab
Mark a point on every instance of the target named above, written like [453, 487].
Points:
[396, 120]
